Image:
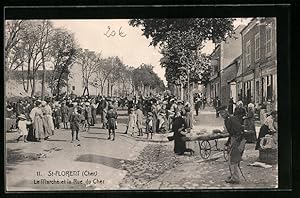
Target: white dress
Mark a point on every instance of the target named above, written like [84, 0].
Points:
[22, 124]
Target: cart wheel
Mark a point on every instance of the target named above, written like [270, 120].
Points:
[205, 149]
[225, 153]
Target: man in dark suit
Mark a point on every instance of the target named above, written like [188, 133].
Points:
[217, 104]
[235, 143]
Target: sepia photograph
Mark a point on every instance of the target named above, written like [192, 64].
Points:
[140, 104]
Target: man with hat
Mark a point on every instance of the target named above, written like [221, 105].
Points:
[88, 114]
[111, 122]
[235, 143]
[65, 114]
[149, 124]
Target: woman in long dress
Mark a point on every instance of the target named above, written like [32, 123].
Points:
[249, 124]
[36, 116]
[154, 121]
[240, 112]
[178, 128]
[48, 120]
[162, 118]
[188, 116]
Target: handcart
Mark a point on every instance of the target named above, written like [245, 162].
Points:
[205, 146]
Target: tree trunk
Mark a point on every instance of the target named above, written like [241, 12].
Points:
[181, 91]
[33, 86]
[58, 87]
[28, 76]
[58, 84]
[43, 78]
[102, 89]
[84, 90]
[111, 90]
[108, 86]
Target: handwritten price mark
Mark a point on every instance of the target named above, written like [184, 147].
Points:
[112, 33]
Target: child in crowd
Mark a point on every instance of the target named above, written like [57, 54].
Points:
[22, 126]
[139, 121]
[57, 116]
[149, 125]
[75, 123]
[132, 121]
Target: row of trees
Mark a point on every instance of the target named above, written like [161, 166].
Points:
[32, 46]
[35, 45]
[99, 72]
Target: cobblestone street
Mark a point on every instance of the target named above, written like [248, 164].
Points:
[168, 171]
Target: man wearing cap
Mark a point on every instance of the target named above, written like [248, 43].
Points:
[235, 143]
[94, 107]
[65, 114]
[149, 125]
[88, 113]
[111, 122]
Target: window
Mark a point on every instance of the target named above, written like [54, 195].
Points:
[73, 88]
[257, 91]
[257, 46]
[269, 87]
[262, 89]
[269, 39]
[216, 69]
[248, 53]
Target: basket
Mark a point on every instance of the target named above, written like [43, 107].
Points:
[269, 156]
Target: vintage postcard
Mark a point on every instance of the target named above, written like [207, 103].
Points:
[141, 104]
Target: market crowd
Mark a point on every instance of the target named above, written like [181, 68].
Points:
[37, 120]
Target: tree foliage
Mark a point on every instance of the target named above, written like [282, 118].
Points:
[63, 55]
[144, 77]
[185, 37]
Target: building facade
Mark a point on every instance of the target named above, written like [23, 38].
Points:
[224, 67]
[213, 87]
[228, 81]
[16, 84]
[259, 62]
[231, 50]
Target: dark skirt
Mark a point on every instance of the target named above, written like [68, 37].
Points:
[250, 126]
[179, 145]
[154, 124]
[65, 117]
[30, 136]
[264, 130]
[75, 126]
[111, 124]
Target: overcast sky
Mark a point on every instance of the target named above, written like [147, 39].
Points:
[133, 48]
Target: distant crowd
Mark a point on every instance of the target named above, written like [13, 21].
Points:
[37, 120]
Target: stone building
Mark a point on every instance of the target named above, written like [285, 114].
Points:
[223, 67]
[16, 86]
[259, 61]
[213, 87]
[228, 81]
